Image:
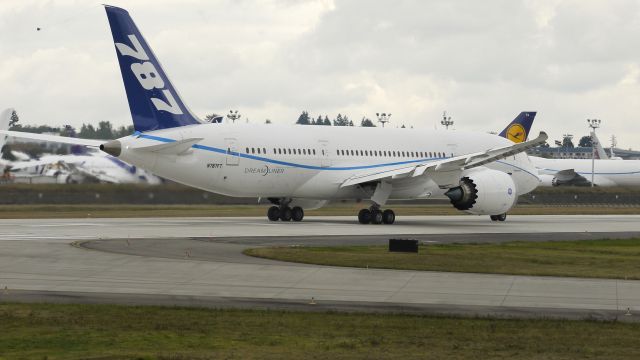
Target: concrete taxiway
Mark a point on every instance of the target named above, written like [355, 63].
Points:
[198, 261]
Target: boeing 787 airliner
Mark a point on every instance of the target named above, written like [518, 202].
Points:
[303, 167]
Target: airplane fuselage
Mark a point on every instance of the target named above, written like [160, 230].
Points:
[310, 161]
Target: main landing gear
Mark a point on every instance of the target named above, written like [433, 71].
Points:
[501, 217]
[376, 216]
[285, 213]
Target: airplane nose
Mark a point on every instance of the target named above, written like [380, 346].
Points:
[112, 147]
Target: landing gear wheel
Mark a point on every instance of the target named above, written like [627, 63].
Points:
[388, 216]
[501, 217]
[364, 216]
[376, 217]
[286, 214]
[297, 214]
[273, 213]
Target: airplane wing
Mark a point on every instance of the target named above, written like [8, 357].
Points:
[452, 165]
[54, 138]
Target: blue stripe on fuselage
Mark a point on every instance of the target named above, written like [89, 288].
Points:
[303, 166]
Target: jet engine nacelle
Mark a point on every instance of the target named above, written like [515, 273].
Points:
[548, 180]
[485, 192]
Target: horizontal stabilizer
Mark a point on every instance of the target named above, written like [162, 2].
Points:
[53, 138]
[171, 148]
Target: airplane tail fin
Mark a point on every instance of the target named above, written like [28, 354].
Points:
[5, 119]
[518, 130]
[153, 101]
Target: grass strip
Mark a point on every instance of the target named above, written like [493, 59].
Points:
[48, 331]
[605, 258]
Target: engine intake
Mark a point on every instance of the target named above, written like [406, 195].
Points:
[485, 192]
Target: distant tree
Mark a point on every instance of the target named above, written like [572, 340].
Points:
[39, 129]
[318, 121]
[303, 119]
[585, 141]
[123, 131]
[267, 121]
[68, 131]
[326, 122]
[567, 143]
[104, 130]
[403, 127]
[87, 131]
[14, 119]
[366, 122]
[341, 120]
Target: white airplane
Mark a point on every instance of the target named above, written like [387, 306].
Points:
[94, 166]
[298, 167]
[578, 172]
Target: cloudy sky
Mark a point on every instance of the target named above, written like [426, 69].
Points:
[481, 61]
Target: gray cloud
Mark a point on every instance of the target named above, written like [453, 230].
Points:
[482, 61]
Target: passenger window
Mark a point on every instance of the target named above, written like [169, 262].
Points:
[314, 151]
[247, 150]
[258, 150]
[253, 150]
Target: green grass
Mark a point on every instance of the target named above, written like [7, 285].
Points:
[44, 331]
[591, 258]
[347, 209]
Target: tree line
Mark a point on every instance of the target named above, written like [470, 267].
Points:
[104, 131]
[339, 120]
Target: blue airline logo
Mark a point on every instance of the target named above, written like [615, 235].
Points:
[148, 76]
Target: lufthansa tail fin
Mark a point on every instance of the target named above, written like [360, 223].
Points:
[153, 101]
[518, 130]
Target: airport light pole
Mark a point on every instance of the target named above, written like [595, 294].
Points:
[446, 121]
[593, 124]
[383, 118]
[233, 115]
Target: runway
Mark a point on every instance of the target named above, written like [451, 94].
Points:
[198, 261]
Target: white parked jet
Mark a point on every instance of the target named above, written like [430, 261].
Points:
[298, 167]
[577, 172]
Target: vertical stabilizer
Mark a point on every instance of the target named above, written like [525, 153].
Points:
[153, 101]
[518, 130]
[5, 119]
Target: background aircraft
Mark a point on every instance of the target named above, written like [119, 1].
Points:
[92, 166]
[577, 172]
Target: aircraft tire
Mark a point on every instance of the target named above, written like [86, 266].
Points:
[493, 217]
[297, 214]
[364, 216]
[286, 214]
[273, 213]
[502, 217]
[388, 217]
[376, 217]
